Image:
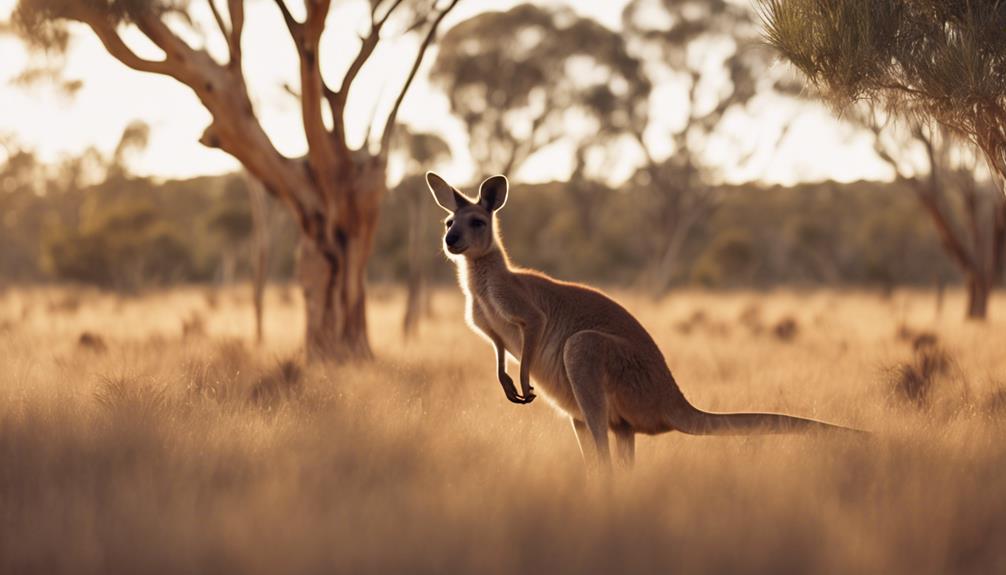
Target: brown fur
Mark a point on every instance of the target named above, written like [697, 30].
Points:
[588, 355]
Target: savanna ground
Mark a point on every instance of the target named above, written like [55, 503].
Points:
[139, 450]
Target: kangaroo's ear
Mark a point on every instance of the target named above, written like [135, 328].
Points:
[446, 196]
[492, 192]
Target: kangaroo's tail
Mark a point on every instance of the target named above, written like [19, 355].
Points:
[694, 421]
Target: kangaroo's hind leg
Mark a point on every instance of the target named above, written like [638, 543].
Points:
[583, 357]
[625, 446]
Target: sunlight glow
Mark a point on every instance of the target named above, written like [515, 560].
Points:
[112, 96]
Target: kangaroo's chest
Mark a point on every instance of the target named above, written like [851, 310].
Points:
[483, 315]
[545, 363]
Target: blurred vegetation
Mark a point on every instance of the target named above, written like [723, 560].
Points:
[863, 233]
[124, 232]
[129, 233]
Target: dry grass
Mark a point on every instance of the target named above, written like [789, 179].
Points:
[166, 454]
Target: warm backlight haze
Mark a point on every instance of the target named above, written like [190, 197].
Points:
[246, 327]
[112, 96]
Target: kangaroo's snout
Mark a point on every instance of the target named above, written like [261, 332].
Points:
[452, 238]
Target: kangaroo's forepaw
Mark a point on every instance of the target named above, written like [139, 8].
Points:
[509, 389]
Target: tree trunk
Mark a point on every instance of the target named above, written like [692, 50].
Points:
[228, 263]
[979, 290]
[665, 268]
[413, 305]
[334, 299]
[260, 250]
[416, 284]
[941, 288]
[332, 264]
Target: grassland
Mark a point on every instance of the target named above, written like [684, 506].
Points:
[138, 450]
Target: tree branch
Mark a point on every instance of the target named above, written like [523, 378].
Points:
[291, 23]
[120, 51]
[930, 201]
[219, 20]
[237, 13]
[389, 125]
[312, 90]
[337, 99]
[380, 23]
[521, 151]
[234, 127]
[232, 35]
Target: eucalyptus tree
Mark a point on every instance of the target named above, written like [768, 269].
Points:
[966, 210]
[334, 191]
[708, 50]
[931, 61]
[526, 78]
[421, 151]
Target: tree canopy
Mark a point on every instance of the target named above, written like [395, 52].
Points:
[707, 50]
[518, 78]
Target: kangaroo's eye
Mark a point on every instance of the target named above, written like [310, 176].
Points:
[478, 224]
[449, 223]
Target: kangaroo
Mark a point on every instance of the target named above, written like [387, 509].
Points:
[588, 355]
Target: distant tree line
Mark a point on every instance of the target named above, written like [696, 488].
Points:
[131, 233]
[124, 232]
[523, 80]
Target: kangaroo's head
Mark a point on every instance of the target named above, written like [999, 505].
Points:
[471, 224]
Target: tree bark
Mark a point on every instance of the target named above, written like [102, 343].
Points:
[332, 264]
[260, 250]
[334, 300]
[417, 295]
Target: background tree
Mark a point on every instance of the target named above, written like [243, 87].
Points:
[334, 191]
[116, 239]
[938, 61]
[966, 212]
[421, 152]
[529, 77]
[261, 223]
[706, 49]
[231, 223]
[124, 248]
[21, 212]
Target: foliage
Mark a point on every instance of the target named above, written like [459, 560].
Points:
[520, 80]
[942, 60]
[706, 52]
[859, 234]
[126, 249]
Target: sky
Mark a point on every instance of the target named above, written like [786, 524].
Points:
[55, 125]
